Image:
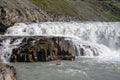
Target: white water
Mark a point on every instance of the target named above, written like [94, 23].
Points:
[102, 38]
[6, 48]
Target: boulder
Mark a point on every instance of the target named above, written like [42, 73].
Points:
[7, 72]
[33, 49]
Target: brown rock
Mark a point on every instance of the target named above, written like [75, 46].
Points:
[43, 49]
[7, 72]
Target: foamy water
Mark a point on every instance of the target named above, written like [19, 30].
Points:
[101, 39]
[80, 69]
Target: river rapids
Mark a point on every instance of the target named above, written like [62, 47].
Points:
[99, 40]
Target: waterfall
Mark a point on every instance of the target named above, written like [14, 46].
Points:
[92, 38]
[6, 47]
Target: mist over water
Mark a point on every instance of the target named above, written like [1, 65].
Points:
[97, 39]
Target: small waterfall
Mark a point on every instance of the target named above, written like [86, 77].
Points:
[6, 47]
[90, 38]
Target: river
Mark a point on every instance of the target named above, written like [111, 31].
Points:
[80, 69]
[100, 42]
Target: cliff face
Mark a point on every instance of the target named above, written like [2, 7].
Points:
[12, 11]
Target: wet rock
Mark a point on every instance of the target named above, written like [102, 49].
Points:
[70, 58]
[82, 52]
[44, 49]
[7, 72]
[2, 28]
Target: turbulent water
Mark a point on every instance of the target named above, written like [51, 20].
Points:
[101, 39]
[80, 69]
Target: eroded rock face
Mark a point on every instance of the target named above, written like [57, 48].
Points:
[7, 72]
[33, 49]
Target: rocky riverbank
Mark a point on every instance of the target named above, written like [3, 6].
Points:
[37, 49]
[15, 11]
[7, 72]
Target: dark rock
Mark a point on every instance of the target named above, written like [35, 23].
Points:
[44, 49]
[2, 28]
[70, 58]
[82, 52]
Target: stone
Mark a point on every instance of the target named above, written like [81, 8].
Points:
[43, 49]
[82, 52]
[7, 72]
[70, 58]
[2, 27]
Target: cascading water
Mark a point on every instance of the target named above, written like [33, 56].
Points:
[100, 39]
[6, 48]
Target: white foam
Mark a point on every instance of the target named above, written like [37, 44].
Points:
[101, 38]
[73, 72]
[107, 33]
[6, 48]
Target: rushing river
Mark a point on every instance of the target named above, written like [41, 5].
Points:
[99, 40]
[81, 69]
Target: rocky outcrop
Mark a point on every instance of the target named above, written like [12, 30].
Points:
[33, 49]
[10, 16]
[7, 72]
[15, 11]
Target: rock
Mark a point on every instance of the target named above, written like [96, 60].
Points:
[70, 58]
[16, 12]
[82, 52]
[45, 49]
[7, 72]
[2, 28]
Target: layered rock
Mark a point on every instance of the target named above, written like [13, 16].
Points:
[7, 72]
[33, 49]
